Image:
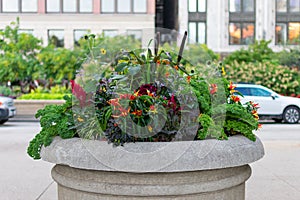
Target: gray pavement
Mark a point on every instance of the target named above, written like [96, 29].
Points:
[275, 177]
[21, 177]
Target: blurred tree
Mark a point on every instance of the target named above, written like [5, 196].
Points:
[18, 61]
[58, 64]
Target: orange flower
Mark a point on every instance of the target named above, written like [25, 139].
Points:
[188, 78]
[231, 86]
[136, 93]
[124, 96]
[114, 102]
[123, 112]
[153, 109]
[166, 61]
[254, 105]
[213, 88]
[259, 126]
[132, 97]
[176, 67]
[137, 112]
[235, 98]
[158, 61]
[255, 114]
[150, 94]
[167, 74]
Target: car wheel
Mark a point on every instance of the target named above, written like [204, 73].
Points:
[3, 121]
[291, 115]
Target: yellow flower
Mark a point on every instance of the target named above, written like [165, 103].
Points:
[103, 51]
[223, 71]
[150, 128]
[80, 119]
[153, 109]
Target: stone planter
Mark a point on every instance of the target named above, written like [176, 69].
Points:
[208, 169]
[28, 108]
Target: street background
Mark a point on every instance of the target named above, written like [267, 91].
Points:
[274, 177]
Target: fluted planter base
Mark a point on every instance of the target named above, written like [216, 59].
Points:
[223, 184]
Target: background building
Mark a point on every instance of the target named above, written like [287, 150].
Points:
[227, 25]
[68, 20]
[224, 25]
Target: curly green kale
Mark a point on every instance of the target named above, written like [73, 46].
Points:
[55, 120]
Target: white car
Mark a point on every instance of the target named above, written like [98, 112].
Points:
[272, 105]
[8, 103]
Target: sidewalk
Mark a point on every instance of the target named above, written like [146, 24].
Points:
[275, 177]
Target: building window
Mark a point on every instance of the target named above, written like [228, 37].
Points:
[287, 29]
[86, 6]
[110, 33]
[53, 6]
[288, 6]
[123, 6]
[10, 5]
[197, 32]
[197, 21]
[18, 6]
[241, 5]
[56, 37]
[241, 33]
[241, 22]
[197, 5]
[78, 34]
[281, 5]
[140, 6]
[287, 33]
[294, 5]
[135, 34]
[69, 6]
[29, 6]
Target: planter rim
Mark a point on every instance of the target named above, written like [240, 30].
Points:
[144, 157]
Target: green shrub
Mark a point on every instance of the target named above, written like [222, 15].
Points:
[255, 53]
[41, 96]
[194, 53]
[278, 78]
[290, 57]
[56, 92]
[5, 91]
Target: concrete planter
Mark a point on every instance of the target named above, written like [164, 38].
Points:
[28, 108]
[208, 169]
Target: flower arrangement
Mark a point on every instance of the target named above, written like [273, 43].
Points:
[146, 96]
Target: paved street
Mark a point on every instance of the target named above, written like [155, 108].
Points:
[276, 176]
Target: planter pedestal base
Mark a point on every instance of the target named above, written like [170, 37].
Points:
[209, 169]
[216, 184]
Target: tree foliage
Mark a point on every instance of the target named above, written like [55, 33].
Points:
[255, 53]
[18, 55]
